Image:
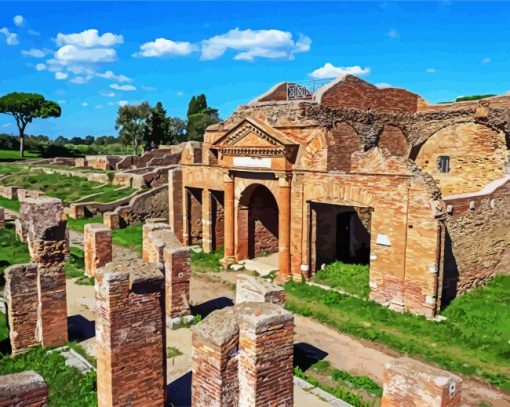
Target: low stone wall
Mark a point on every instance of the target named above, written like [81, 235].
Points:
[64, 161]
[27, 389]
[80, 210]
[90, 176]
[9, 192]
[254, 289]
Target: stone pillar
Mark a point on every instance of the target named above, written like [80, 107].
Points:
[22, 306]
[253, 289]
[130, 335]
[152, 251]
[284, 272]
[177, 281]
[207, 232]
[97, 245]
[175, 202]
[111, 220]
[26, 389]
[2, 218]
[266, 333]
[215, 379]
[229, 220]
[408, 382]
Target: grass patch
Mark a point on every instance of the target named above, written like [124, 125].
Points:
[473, 341]
[129, 237]
[203, 262]
[110, 196]
[351, 278]
[11, 204]
[173, 352]
[79, 224]
[4, 331]
[12, 251]
[66, 385]
[14, 155]
[75, 267]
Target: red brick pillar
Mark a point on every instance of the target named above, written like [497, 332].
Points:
[266, 333]
[215, 341]
[207, 232]
[229, 220]
[22, 306]
[175, 202]
[177, 281]
[2, 218]
[151, 252]
[408, 382]
[130, 335]
[284, 191]
[111, 220]
[26, 389]
[97, 245]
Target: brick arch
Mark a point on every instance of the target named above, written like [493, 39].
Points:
[394, 140]
[343, 140]
[343, 194]
[312, 153]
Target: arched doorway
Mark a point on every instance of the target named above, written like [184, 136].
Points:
[257, 223]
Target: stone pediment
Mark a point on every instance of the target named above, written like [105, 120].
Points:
[252, 137]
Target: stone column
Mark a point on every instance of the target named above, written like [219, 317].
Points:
[215, 341]
[177, 281]
[175, 202]
[207, 232]
[130, 335]
[229, 220]
[152, 248]
[284, 192]
[97, 247]
[408, 382]
[266, 333]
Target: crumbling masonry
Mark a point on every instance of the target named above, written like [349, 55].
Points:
[97, 247]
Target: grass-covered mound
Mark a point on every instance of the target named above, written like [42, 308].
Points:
[474, 340]
[351, 278]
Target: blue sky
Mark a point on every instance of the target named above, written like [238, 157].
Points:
[91, 57]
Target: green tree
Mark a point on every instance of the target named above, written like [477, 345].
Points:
[132, 124]
[157, 126]
[176, 130]
[25, 107]
[200, 115]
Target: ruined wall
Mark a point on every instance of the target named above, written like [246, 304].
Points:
[477, 239]
[150, 204]
[218, 215]
[477, 156]
[97, 247]
[27, 389]
[194, 213]
[342, 143]
[393, 139]
[130, 335]
[253, 289]
[262, 223]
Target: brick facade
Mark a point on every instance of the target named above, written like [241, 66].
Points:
[130, 335]
[242, 356]
[97, 247]
[409, 383]
[254, 289]
[27, 389]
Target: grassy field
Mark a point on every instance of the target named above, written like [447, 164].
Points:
[130, 237]
[12, 251]
[75, 267]
[206, 262]
[9, 203]
[14, 155]
[351, 278]
[473, 340]
[68, 189]
[79, 224]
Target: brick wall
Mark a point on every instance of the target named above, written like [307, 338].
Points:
[130, 335]
[262, 223]
[97, 245]
[394, 141]
[343, 142]
[177, 280]
[152, 251]
[253, 289]
[194, 213]
[27, 389]
[409, 383]
[279, 93]
[22, 306]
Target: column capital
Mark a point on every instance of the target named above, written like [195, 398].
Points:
[284, 178]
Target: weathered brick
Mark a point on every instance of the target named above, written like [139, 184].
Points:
[27, 389]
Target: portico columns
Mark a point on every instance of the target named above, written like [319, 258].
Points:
[284, 227]
[229, 220]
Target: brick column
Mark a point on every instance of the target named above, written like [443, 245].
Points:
[214, 365]
[97, 247]
[111, 220]
[266, 333]
[151, 252]
[229, 220]
[284, 194]
[408, 382]
[130, 335]
[22, 306]
[207, 232]
[2, 218]
[175, 202]
[26, 389]
[177, 281]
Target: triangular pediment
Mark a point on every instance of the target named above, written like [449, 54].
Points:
[252, 133]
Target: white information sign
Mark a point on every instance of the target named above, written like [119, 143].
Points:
[262, 162]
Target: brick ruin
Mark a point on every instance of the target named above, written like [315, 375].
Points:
[27, 389]
[2, 218]
[253, 289]
[357, 174]
[36, 293]
[408, 382]
[97, 247]
[130, 335]
[242, 356]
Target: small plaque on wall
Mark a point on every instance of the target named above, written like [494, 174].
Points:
[383, 240]
[258, 162]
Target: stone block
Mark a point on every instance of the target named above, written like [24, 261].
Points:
[254, 289]
[409, 383]
[177, 280]
[153, 246]
[111, 220]
[97, 245]
[27, 389]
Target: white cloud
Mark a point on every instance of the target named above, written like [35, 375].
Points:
[6, 125]
[108, 94]
[329, 71]
[383, 85]
[148, 88]
[34, 52]
[122, 102]
[18, 20]
[431, 70]
[10, 37]
[111, 75]
[40, 67]
[33, 32]
[486, 61]
[71, 53]
[251, 44]
[84, 104]
[61, 101]
[122, 87]
[61, 75]
[79, 80]
[111, 104]
[180, 93]
[163, 47]
[89, 39]
[393, 33]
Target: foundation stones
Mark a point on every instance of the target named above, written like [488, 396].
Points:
[253, 289]
[97, 245]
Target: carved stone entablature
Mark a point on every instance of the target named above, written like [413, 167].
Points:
[253, 151]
